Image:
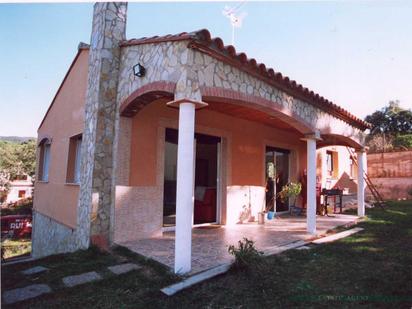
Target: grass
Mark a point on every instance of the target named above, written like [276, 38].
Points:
[12, 248]
[371, 269]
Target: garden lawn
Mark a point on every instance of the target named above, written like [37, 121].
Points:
[12, 248]
[372, 269]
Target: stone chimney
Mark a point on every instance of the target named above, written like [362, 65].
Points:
[97, 187]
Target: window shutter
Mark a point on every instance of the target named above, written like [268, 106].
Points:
[335, 158]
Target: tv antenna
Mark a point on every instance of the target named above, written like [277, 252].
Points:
[235, 17]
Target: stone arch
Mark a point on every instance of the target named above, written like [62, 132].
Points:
[146, 94]
[162, 89]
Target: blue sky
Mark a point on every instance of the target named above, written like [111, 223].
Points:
[357, 54]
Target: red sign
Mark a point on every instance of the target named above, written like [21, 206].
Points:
[16, 226]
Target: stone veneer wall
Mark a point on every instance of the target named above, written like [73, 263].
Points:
[51, 237]
[97, 192]
[191, 70]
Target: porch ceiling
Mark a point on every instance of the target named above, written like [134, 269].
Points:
[337, 140]
[244, 112]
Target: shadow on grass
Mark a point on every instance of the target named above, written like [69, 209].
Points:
[372, 268]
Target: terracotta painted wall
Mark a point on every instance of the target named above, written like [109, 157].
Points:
[247, 141]
[65, 119]
[244, 163]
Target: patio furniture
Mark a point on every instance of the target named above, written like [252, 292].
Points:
[205, 207]
[329, 194]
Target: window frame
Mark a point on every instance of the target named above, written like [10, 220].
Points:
[44, 160]
[333, 171]
[74, 160]
[329, 162]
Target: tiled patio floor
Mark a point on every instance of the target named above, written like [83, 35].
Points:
[209, 245]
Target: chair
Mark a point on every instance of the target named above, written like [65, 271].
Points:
[205, 209]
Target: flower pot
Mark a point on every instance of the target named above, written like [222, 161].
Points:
[261, 218]
[270, 215]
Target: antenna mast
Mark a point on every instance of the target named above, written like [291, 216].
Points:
[235, 18]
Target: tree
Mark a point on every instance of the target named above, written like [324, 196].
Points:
[391, 120]
[388, 124]
[403, 141]
[16, 159]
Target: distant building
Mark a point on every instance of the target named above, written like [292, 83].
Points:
[20, 188]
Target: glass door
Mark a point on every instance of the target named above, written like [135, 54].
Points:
[277, 176]
[206, 178]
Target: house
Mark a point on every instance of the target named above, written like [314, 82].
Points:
[20, 188]
[336, 168]
[159, 133]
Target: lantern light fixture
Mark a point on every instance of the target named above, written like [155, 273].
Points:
[139, 70]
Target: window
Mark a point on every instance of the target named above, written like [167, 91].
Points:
[329, 163]
[332, 164]
[74, 159]
[22, 193]
[44, 161]
[352, 168]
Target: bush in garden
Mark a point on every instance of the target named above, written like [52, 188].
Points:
[245, 253]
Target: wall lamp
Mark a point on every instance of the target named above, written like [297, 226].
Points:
[139, 70]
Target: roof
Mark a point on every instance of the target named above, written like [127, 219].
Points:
[82, 46]
[202, 41]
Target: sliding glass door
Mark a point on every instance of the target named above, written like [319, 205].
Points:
[206, 179]
[277, 175]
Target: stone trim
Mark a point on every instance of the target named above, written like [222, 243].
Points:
[157, 86]
[97, 189]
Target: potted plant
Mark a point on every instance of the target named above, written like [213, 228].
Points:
[291, 191]
[268, 201]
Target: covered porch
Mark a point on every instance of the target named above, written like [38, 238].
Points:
[210, 243]
[251, 118]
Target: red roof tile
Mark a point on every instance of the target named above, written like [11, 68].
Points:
[202, 41]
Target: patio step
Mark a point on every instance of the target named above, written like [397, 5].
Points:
[281, 248]
[337, 236]
[174, 288]
[28, 292]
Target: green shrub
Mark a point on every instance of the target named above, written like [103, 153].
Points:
[291, 190]
[21, 207]
[245, 253]
[403, 141]
[410, 191]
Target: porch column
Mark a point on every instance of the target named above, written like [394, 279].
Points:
[361, 156]
[311, 183]
[185, 183]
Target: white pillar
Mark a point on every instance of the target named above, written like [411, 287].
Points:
[184, 188]
[361, 156]
[311, 186]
